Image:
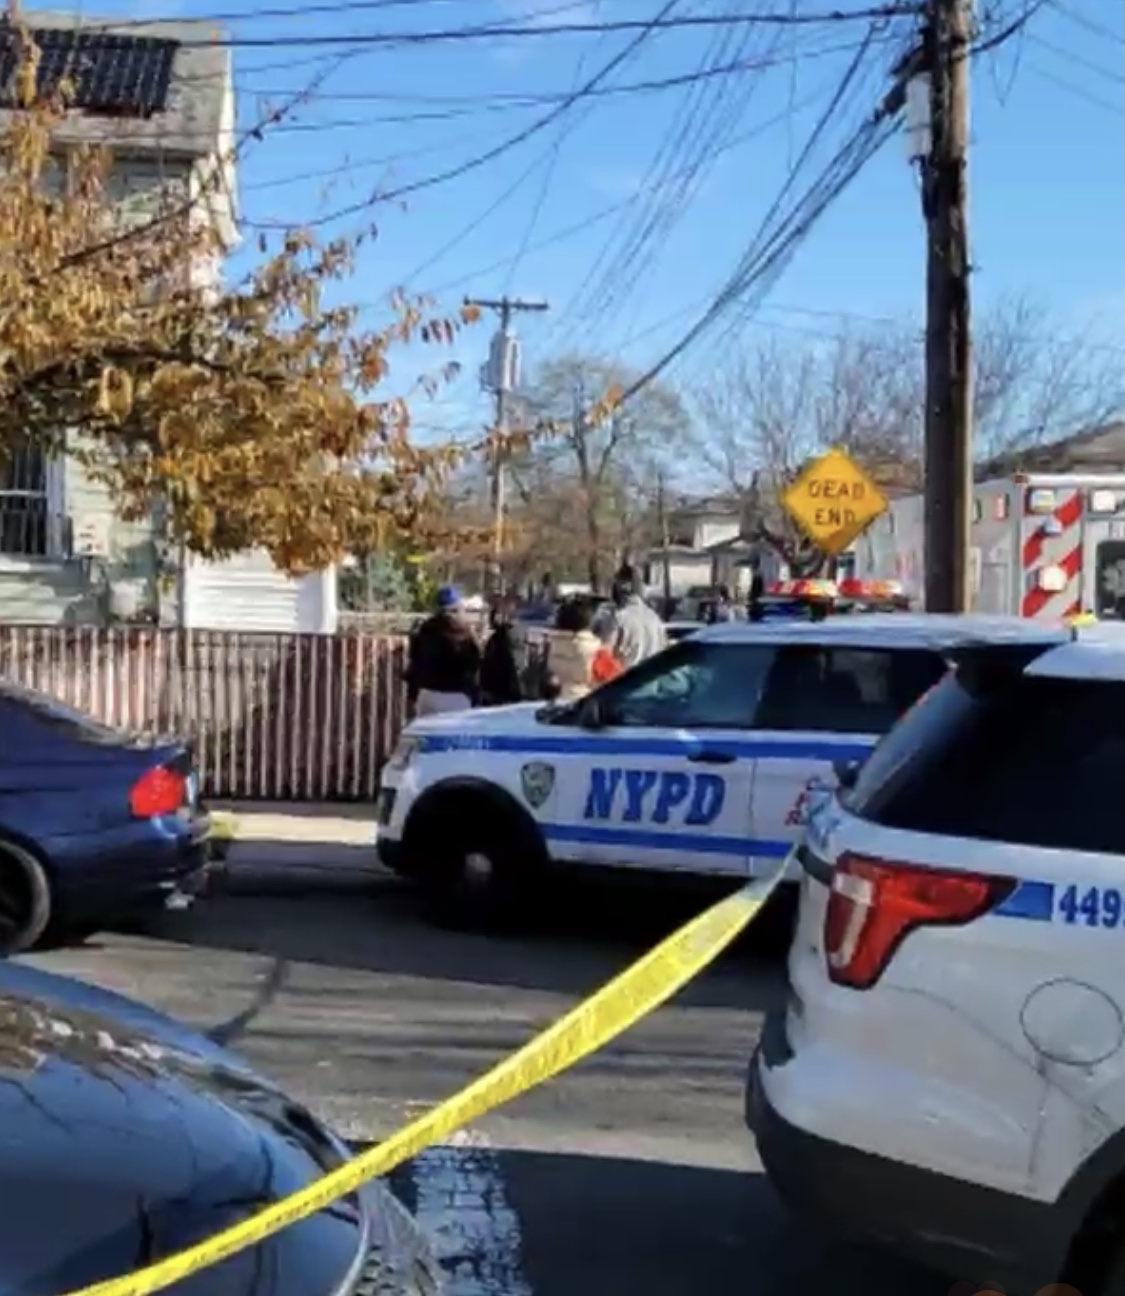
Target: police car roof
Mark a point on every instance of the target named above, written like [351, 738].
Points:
[1095, 653]
[901, 629]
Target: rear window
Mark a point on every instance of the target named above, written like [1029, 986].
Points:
[48, 712]
[1025, 759]
[846, 690]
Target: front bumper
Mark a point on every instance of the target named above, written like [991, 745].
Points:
[957, 1228]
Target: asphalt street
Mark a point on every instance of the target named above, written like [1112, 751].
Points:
[633, 1173]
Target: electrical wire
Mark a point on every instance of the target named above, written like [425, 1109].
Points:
[540, 98]
[1068, 56]
[770, 251]
[709, 118]
[505, 146]
[1087, 23]
[516, 31]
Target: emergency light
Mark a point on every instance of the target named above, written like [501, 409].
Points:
[1103, 501]
[1041, 500]
[1052, 579]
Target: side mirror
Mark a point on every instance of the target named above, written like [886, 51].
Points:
[846, 771]
[591, 716]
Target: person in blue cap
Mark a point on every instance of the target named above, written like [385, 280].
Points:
[443, 665]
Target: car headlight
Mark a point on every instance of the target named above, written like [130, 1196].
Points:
[403, 753]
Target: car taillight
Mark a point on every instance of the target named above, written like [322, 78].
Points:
[159, 791]
[876, 903]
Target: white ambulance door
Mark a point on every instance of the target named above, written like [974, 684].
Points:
[825, 704]
[662, 771]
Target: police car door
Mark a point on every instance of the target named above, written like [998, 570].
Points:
[825, 704]
[659, 771]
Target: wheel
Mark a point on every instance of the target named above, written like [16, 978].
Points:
[475, 866]
[25, 899]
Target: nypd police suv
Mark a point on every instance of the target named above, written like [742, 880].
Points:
[702, 760]
[948, 1074]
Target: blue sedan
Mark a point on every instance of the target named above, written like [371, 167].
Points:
[128, 1138]
[96, 825]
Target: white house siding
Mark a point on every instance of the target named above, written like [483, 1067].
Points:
[248, 593]
[59, 588]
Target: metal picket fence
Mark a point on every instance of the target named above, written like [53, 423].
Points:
[270, 716]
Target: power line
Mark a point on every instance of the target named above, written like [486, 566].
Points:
[521, 99]
[1087, 23]
[516, 31]
[766, 257]
[513, 141]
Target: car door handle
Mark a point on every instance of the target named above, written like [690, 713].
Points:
[708, 756]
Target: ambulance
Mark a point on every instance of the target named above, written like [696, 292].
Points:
[1043, 546]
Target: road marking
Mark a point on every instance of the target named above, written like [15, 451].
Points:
[461, 1204]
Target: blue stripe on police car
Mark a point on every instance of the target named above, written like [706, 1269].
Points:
[571, 743]
[1073, 905]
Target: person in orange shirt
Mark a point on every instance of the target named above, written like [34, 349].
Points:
[606, 665]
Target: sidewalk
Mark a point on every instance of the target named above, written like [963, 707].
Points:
[287, 846]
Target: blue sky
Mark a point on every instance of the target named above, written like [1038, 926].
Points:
[554, 217]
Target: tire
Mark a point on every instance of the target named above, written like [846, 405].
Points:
[26, 908]
[476, 865]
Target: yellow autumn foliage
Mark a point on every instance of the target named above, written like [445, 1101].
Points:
[251, 414]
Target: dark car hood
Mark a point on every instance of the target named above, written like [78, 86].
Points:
[125, 1138]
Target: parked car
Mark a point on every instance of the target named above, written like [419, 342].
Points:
[947, 1074]
[701, 761]
[96, 824]
[128, 1138]
[677, 630]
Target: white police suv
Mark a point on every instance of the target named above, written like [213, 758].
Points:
[948, 1075]
[701, 760]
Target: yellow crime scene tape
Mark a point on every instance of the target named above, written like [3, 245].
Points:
[612, 1010]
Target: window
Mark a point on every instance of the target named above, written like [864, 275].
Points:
[1110, 563]
[1029, 760]
[690, 686]
[24, 512]
[19, 704]
[846, 690]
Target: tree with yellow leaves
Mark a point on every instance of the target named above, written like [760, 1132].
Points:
[251, 414]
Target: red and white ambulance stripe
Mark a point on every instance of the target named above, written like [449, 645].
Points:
[1049, 554]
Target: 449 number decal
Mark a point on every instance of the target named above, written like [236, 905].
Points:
[1092, 906]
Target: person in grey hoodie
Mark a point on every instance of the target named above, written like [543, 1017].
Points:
[637, 630]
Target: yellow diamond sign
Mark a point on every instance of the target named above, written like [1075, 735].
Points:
[833, 501]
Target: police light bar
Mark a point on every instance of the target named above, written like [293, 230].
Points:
[874, 590]
[821, 589]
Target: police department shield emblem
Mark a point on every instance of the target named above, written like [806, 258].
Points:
[538, 780]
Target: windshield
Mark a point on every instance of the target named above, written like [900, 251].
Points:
[1005, 756]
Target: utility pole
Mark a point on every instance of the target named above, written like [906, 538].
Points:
[665, 539]
[949, 418]
[500, 376]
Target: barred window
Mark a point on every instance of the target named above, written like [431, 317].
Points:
[24, 512]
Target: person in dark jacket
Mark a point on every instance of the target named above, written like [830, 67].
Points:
[443, 668]
[499, 674]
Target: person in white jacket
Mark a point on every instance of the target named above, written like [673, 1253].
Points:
[573, 648]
